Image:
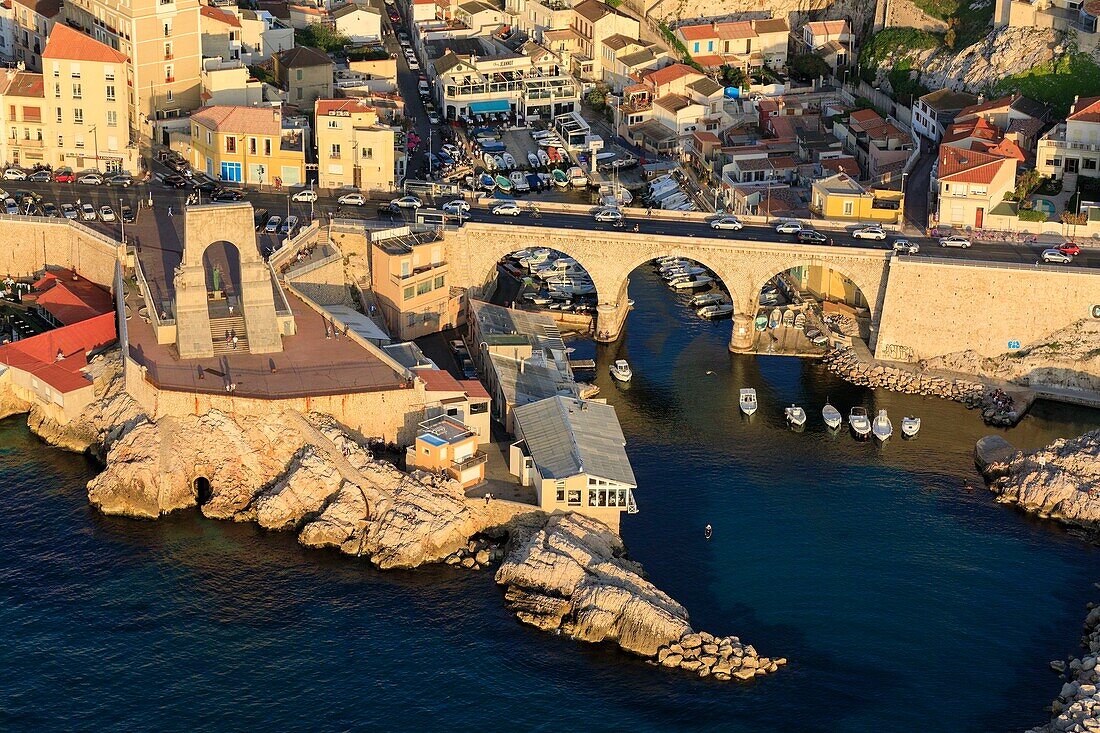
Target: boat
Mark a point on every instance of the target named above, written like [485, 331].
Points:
[490, 162]
[716, 310]
[708, 532]
[509, 160]
[800, 321]
[534, 182]
[542, 157]
[910, 426]
[519, 181]
[700, 281]
[707, 299]
[487, 182]
[560, 179]
[498, 162]
[831, 416]
[747, 400]
[788, 318]
[675, 272]
[858, 421]
[795, 415]
[552, 154]
[882, 427]
[761, 322]
[577, 177]
[774, 318]
[503, 184]
[533, 160]
[620, 370]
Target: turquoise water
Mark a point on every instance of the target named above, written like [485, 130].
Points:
[903, 600]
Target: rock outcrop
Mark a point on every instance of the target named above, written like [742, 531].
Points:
[845, 363]
[1060, 481]
[572, 575]
[1077, 708]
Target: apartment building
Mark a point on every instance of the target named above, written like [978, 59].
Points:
[32, 21]
[21, 104]
[255, 145]
[881, 146]
[592, 22]
[934, 112]
[830, 39]
[535, 17]
[229, 83]
[1072, 147]
[161, 41]
[627, 59]
[747, 44]
[669, 105]
[840, 197]
[970, 184]
[220, 33]
[411, 283]
[446, 445]
[354, 148]
[305, 74]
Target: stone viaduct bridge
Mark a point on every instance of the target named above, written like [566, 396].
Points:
[610, 256]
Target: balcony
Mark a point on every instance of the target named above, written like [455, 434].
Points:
[169, 56]
[473, 461]
[400, 279]
[169, 79]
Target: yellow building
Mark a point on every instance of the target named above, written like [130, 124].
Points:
[32, 21]
[21, 105]
[254, 145]
[353, 148]
[841, 197]
[445, 445]
[412, 284]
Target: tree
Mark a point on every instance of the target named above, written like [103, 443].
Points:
[731, 76]
[1026, 184]
[808, 66]
[320, 37]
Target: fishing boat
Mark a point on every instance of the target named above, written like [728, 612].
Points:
[552, 153]
[487, 182]
[498, 162]
[831, 416]
[533, 160]
[542, 157]
[795, 415]
[490, 161]
[503, 184]
[519, 181]
[788, 318]
[509, 160]
[620, 370]
[910, 426]
[577, 177]
[775, 318]
[717, 310]
[683, 271]
[761, 322]
[882, 427]
[692, 283]
[800, 321]
[747, 400]
[858, 421]
[707, 299]
[560, 179]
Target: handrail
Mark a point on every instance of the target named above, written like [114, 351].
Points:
[292, 245]
[1041, 267]
[309, 267]
[286, 311]
[147, 296]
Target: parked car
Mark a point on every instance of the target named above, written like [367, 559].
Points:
[289, 225]
[788, 227]
[15, 174]
[176, 181]
[407, 202]
[259, 218]
[69, 211]
[26, 197]
[458, 207]
[509, 208]
[1056, 256]
[64, 175]
[306, 195]
[126, 213]
[272, 225]
[954, 241]
[91, 179]
[727, 222]
[810, 236]
[50, 209]
[226, 195]
[609, 215]
[40, 177]
[87, 212]
[352, 199]
[1069, 248]
[10, 206]
[905, 247]
[124, 180]
[106, 213]
[870, 233]
[208, 187]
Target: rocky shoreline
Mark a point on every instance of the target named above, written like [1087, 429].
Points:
[306, 474]
[1077, 708]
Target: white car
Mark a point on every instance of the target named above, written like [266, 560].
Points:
[406, 202]
[788, 227]
[352, 199]
[870, 233]
[87, 212]
[106, 213]
[905, 247]
[506, 209]
[727, 222]
[91, 179]
[458, 207]
[1056, 255]
[609, 215]
[15, 174]
[954, 241]
[306, 195]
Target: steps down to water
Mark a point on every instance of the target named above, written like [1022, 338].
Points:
[219, 327]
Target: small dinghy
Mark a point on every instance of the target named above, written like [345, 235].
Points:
[747, 400]
[533, 160]
[800, 321]
[708, 532]
[509, 161]
[519, 181]
[620, 370]
[795, 415]
[707, 299]
[831, 416]
[498, 162]
[490, 161]
[761, 322]
[560, 179]
[487, 182]
[504, 184]
[788, 318]
[715, 311]
[882, 427]
[543, 158]
[691, 283]
[910, 426]
[775, 318]
[859, 422]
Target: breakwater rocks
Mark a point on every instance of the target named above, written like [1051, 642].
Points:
[572, 575]
[1077, 709]
[1060, 481]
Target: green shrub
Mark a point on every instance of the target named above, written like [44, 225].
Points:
[1032, 215]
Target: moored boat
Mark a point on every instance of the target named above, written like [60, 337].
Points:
[859, 422]
[910, 426]
[519, 181]
[882, 427]
[831, 416]
[490, 161]
[543, 158]
[620, 370]
[800, 321]
[761, 322]
[795, 415]
[716, 310]
[747, 400]
[691, 283]
[533, 160]
[487, 182]
[560, 179]
[509, 160]
[699, 301]
[504, 184]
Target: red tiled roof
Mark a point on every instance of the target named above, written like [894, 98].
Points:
[1085, 109]
[438, 380]
[960, 165]
[710, 60]
[975, 109]
[697, 32]
[736, 29]
[827, 27]
[706, 137]
[863, 116]
[72, 45]
[842, 165]
[236, 118]
[220, 15]
[1008, 149]
[67, 299]
[669, 74]
[38, 354]
[474, 388]
[45, 8]
[353, 105]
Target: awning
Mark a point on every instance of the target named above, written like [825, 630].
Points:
[496, 105]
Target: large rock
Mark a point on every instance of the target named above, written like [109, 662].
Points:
[1078, 705]
[992, 449]
[299, 493]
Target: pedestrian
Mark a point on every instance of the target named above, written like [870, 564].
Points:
[487, 499]
[169, 212]
[234, 342]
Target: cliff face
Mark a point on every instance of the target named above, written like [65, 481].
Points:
[1061, 481]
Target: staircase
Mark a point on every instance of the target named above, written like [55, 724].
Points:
[220, 326]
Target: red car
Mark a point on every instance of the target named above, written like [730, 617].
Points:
[1069, 248]
[64, 175]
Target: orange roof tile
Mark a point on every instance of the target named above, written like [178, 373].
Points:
[827, 27]
[220, 15]
[736, 29]
[234, 118]
[697, 32]
[68, 297]
[474, 388]
[38, 354]
[437, 380]
[708, 61]
[350, 105]
[1085, 109]
[960, 165]
[72, 45]
[669, 74]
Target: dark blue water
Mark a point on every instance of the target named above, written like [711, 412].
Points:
[903, 601]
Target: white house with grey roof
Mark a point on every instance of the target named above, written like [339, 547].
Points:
[573, 453]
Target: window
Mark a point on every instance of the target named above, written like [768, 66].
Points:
[1089, 164]
[79, 141]
[168, 50]
[252, 146]
[368, 152]
[169, 96]
[438, 283]
[78, 115]
[849, 207]
[74, 71]
[334, 150]
[168, 74]
[230, 144]
[410, 293]
[209, 137]
[112, 118]
[334, 124]
[56, 70]
[110, 92]
[109, 73]
[299, 90]
[574, 497]
[60, 141]
[978, 190]
[77, 92]
[59, 118]
[267, 146]
[479, 408]
[57, 90]
[424, 287]
[167, 28]
[297, 74]
[561, 496]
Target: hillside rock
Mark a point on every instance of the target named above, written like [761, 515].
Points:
[1078, 705]
[301, 492]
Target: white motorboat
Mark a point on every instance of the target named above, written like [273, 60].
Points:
[519, 181]
[831, 416]
[707, 299]
[498, 162]
[533, 160]
[715, 310]
[796, 416]
[490, 161]
[543, 158]
[700, 281]
[747, 400]
[800, 321]
[882, 427]
[859, 421]
[509, 160]
[910, 426]
[577, 177]
[620, 370]
[675, 272]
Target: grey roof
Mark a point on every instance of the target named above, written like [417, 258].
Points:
[302, 56]
[534, 328]
[567, 436]
[705, 86]
[409, 355]
[523, 381]
[638, 57]
[352, 7]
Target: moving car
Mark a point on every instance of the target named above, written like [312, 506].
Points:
[954, 241]
[788, 227]
[609, 215]
[106, 213]
[91, 179]
[905, 247]
[1069, 248]
[727, 222]
[811, 236]
[15, 174]
[307, 195]
[227, 194]
[870, 233]
[64, 175]
[126, 212]
[352, 199]
[407, 202]
[87, 212]
[509, 208]
[69, 211]
[1056, 256]
[272, 225]
[40, 177]
[458, 207]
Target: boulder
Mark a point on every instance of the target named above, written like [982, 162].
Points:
[691, 665]
[672, 660]
[299, 493]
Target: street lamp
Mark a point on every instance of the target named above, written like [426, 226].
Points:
[95, 142]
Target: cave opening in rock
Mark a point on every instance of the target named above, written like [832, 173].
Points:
[203, 492]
